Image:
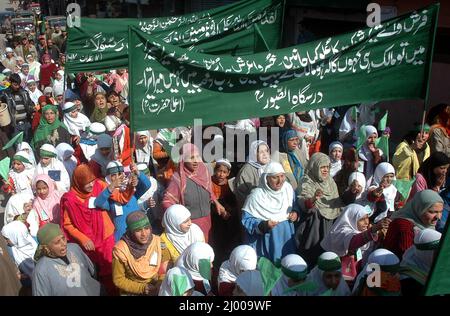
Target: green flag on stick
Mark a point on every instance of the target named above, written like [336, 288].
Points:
[383, 144]
[205, 268]
[4, 168]
[16, 139]
[382, 122]
[269, 274]
[404, 187]
[361, 137]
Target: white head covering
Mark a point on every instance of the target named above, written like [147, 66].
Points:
[331, 260]
[29, 150]
[347, 124]
[361, 179]
[50, 148]
[382, 257]
[9, 50]
[166, 286]
[224, 162]
[75, 125]
[97, 128]
[173, 217]
[65, 155]
[335, 166]
[251, 283]
[370, 130]
[103, 141]
[58, 90]
[242, 258]
[55, 165]
[267, 204]
[24, 246]
[15, 204]
[253, 153]
[390, 192]
[144, 153]
[111, 123]
[294, 263]
[419, 257]
[191, 256]
[293, 267]
[344, 228]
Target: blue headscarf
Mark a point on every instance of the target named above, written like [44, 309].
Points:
[294, 161]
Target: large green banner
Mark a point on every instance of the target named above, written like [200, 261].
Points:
[102, 44]
[171, 86]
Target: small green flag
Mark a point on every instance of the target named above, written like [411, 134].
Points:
[205, 268]
[383, 144]
[404, 187]
[16, 139]
[439, 276]
[179, 285]
[382, 122]
[305, 287]
[269, 274]
[328, 292]
[4, 168]
[354, 113]
[361, 137]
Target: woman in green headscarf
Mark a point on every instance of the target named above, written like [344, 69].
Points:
[50, 130]
[423, 211]
[100, 108]
[62, 268]
[320, 204]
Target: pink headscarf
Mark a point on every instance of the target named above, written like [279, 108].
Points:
[50, 205]
[177, 186]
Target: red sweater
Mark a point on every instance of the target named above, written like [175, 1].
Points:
[226, 288]
[399, 237]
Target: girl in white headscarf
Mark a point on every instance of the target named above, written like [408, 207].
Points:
[243, 258]
[23, 246]
[417, 261]
[174, 284]
[385, 274]
[77, 123]
[370, 156]
[383, 192]
[26, 147]
[248, 177]
[179, 233]
[335, 153]
[16, 206]
[144, 147]
[65, 155]
[52, 167]
[356, 190]
[196, 259]
[249, 283]
[295, 271]
[22, 172]
[268, 215]
[351, 237]
[327, 277]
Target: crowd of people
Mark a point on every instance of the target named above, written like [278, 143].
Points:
[94, 209]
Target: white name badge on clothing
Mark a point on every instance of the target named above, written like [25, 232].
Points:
[91, 203]
[358, 254]
[44, 216]
[154, 259]
[119, 209]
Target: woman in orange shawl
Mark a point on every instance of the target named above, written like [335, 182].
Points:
[137, 258]
[88, 226]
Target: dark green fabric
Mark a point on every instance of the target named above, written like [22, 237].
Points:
[439, 277]
[224, 30]
[170, 86]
